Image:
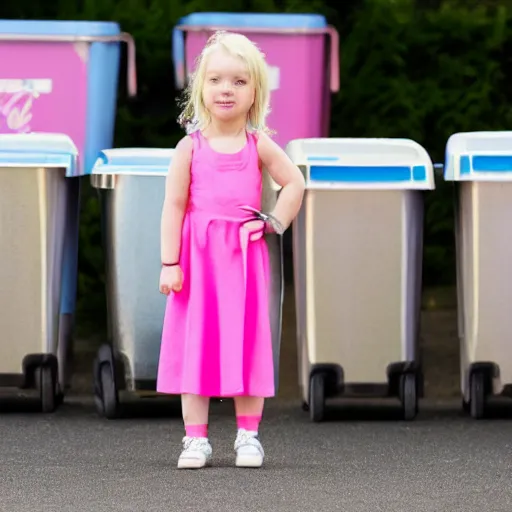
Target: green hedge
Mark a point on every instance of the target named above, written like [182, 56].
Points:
[426, 74]
[421, 69]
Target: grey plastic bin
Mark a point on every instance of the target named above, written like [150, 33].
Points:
[480, 165]
[131, 183]
[39, 191]
[357, 245]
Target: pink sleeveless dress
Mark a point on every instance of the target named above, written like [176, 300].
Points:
[216, 338]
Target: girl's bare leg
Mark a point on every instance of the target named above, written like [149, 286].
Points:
[248, 410]
[195, 409]
[249, 452]
[197, 451]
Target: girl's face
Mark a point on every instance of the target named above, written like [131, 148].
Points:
[228, 93]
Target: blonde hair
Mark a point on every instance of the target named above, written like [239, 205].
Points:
[195, 114]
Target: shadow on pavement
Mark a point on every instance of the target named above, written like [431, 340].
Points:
[336, 411]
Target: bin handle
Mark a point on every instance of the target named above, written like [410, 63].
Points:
[179, 46]
[123, 37]
[178, 56]
[132, 63]
[335, 58]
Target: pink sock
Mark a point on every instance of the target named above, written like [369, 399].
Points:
[196, 430]
[251, 423]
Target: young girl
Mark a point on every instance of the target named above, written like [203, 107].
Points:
[216, 339]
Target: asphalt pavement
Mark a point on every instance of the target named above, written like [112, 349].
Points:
[362, 459]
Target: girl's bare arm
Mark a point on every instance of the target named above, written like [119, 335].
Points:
[175, 203]
[287, 175]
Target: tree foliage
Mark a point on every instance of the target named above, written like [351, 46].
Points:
[420, 69]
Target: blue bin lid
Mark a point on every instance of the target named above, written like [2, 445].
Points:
[59, 28]
[135, 161]
[479, 156]
[363, 163]
[39, 150]
[254, 20]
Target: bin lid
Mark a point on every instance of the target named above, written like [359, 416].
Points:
[240, 20]
[363, 163]
[479, 156]
[135, 161]
[59, 28]
[39, 150]
[300, 22]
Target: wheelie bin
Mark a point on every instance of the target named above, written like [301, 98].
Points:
[480, 166]
[357, 246]
[308, 79]
[131, 186]
[62, 77]
[38, 195]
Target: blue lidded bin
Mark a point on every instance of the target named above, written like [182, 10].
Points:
[479, 164]
[131, 185]
[38, 198]
[357, 248]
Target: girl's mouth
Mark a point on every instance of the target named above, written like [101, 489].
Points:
[225, 104]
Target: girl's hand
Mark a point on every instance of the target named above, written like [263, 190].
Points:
[171, 279]
[255, 228]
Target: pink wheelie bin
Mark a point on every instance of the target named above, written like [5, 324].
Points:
[302, 54]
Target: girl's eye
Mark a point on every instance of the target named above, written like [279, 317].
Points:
[240, 82]
[214, 80]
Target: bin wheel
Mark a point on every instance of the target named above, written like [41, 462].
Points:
[109, 397]
[97, 393]
[477, 395]
[409, 396]
[47, 388]
[305, 406]
[317, 397]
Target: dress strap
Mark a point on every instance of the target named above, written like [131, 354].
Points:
[253, 147]
[195, 140]
[253, 136]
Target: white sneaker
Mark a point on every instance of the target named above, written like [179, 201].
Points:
[249, 452]
[196, 454]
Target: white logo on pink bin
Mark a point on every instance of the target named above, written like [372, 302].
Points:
[16, 100]
[274, 77]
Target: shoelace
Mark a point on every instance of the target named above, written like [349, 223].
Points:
[194, 443]
[246, 438]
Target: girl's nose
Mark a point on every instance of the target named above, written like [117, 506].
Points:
[226, 88]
